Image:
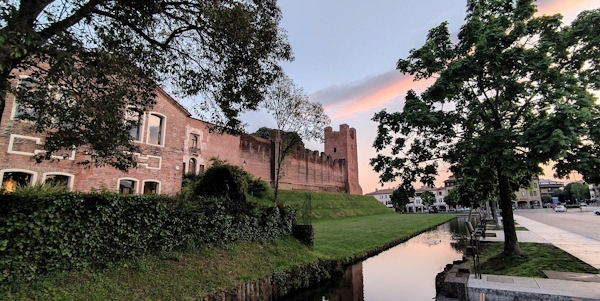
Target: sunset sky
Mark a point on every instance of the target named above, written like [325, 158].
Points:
[345, 56]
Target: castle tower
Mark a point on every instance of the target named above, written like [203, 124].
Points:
[342, 145]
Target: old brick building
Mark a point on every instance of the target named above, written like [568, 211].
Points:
[173, 143]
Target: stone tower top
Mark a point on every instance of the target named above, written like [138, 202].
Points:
[342, 145]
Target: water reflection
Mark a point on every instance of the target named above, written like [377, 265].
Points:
[405, 272]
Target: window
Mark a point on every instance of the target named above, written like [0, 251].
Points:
[151, 187]
[19, 109]
[135, 120]
[156, 129]
[523, 193]
[128, 186]
[63, 179]
[192, 166]
[11, 179]
[534, 185]
[201, 169]
[334, 150]
[194, 141]
[531, 193]
[534, 193]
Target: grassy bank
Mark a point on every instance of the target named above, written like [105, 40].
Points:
[326, 205]
[536, 258]
[344, 226]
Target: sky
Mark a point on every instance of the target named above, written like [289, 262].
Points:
[346, 52]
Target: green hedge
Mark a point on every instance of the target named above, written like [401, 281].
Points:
[42, 233]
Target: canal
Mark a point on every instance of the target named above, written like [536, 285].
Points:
[404, 272]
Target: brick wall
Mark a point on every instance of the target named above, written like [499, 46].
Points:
[334, 170]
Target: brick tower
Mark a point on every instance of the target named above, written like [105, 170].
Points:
[342, 145]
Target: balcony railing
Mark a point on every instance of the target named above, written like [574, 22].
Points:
[195, 150]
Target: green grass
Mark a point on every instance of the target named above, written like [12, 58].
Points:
[325, 206]
[345, 237]
[536, 258]
[173, 276]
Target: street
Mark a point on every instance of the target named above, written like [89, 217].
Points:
[584, 223]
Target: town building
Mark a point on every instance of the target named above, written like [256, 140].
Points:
[383, 195]
[173, 143]
[530, 197]
[547, 187]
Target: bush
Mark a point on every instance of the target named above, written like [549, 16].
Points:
[43, 233]
[228, 181]
[258, 187]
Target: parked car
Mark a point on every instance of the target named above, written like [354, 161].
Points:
[433, 209]
[582, 204]
[597, 211]
[560, 208]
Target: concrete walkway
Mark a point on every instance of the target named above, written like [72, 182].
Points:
[504, 288]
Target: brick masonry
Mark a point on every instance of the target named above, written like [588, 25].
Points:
[188, 146]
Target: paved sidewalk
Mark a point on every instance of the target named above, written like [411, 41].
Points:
[584, 248]
[494, 287]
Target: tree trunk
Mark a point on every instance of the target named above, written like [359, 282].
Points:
[494, 208]
[511, 244]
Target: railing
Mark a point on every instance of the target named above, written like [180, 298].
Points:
[195, 150]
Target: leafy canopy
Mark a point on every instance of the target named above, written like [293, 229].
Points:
[514, 91]
[94, 62]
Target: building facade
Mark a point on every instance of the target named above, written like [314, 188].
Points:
[383, 195]
[173, 143]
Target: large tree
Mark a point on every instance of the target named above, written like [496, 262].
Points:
[427, 198]
[512, 91]
[92, 63]
[577, 191]
[296, 117]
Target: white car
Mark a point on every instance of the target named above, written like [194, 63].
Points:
[597, 211]
[560, 208]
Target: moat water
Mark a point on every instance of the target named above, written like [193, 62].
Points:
[404, 272]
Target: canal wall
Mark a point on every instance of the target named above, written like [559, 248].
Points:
[283, 282]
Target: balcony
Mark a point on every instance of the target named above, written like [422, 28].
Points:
[194, 150]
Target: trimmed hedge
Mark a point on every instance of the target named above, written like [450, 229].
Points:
[43, 233]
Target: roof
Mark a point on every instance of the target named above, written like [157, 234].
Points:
[381, 191]
[173, 101]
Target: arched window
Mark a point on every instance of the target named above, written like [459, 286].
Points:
[128, 186]
[58, 178]
[151, 187]
[192, 167]
[11, 179]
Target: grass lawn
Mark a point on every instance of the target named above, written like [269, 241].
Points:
[341, 238]
[536, 257]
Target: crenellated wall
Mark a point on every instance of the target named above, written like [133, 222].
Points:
[302, 169]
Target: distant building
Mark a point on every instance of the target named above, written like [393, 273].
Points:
[547, 187]
[383, 195]
[529, 198]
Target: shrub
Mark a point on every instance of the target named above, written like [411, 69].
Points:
[48, 232]
[228, 181]
[258, 187]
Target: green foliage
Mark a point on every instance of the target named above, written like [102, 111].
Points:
[512, 92]
[546, 199]
[263, 132]
[128, 48]
[225, 180]
[428, 198]
[258, 187]
[42, 233]
[400, 198]
[577, 191]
